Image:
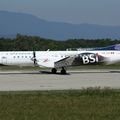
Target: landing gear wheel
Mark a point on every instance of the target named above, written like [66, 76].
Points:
[63, 71]
[54, 71]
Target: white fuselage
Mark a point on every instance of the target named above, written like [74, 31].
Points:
[16, 58]
[48, 58]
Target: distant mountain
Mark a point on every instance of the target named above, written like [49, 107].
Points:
[12, 23]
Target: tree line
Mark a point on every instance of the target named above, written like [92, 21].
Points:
[35, 43]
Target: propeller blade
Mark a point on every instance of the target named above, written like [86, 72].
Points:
[34, 58]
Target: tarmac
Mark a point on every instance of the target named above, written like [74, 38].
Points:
[44, 80]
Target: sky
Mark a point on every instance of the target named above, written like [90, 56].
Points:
[103, 12]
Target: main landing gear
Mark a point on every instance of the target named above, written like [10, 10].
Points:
[54, 70]
[63, 71]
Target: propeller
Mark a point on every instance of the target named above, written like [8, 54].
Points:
[34, 58]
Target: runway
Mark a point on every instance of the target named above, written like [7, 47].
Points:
[44, 80]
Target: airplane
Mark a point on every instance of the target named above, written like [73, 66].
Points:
[59, 59]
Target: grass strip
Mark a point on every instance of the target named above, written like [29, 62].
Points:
[86, 104]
